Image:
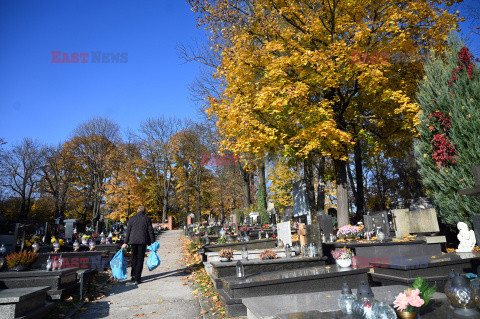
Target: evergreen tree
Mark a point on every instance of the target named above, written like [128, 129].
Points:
[449, 141]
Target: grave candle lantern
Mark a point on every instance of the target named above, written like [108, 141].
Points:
[56, 246]
[461, 296]
[240, 271]
[91, 245]
[35, 247]
[76, 246]
[244, 253]
[345, 302]
[362, 307]
[288, 252]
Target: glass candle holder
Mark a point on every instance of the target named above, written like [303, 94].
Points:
[345, 302]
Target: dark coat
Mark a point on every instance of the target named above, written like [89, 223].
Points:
[139, 230]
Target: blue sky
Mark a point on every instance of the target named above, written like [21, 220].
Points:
[46, 101]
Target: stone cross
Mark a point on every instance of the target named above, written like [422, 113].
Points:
[475, 191]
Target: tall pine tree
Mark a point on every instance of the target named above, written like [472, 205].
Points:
[449, 141]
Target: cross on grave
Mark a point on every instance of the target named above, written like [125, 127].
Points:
[475, 191]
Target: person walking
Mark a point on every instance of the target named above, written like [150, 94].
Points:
[139, 235]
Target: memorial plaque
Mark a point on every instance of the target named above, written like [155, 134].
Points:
[415, 222]
[374, 220]
[69, 229]
[284, 233]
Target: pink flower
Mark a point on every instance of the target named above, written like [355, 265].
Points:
[415, 301]
[414, 292]
[401, 301]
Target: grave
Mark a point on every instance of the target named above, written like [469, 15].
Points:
[237, 255]
[374, 220]
[284, 233]
[250, 245]
[415, 222]
[314, 236]
[326, 223]
[24, 303]
[259, 266]
[434, 269]
[69, 229]
[319, 304]
[300, 201]
[312, 279]
[60, 282]
[387, 249]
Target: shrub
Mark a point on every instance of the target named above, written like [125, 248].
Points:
[22, 258]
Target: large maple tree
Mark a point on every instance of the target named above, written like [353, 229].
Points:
[302, 76]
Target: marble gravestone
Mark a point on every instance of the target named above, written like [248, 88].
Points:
[300, 201]
[284, 233]
[374, 220]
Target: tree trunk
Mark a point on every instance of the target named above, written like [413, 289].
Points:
[360, 195]
[342, 192]
[308, 179]
[247, 200]
[165, 198]
[321, 185]
[262, 191]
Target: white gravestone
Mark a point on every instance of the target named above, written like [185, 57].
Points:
[69, 229]
[284, 233]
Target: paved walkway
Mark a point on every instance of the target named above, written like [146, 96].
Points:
[160, 295]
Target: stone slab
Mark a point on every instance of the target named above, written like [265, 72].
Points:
[433, 269]
[237, 254]
[226, 269]
[16, 303]
[268, 307]
[312, 279]
[60, 281]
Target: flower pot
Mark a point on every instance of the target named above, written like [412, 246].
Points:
[343, 263]
[406, 315]
[224, 259]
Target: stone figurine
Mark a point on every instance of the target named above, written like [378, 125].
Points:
[466, 238]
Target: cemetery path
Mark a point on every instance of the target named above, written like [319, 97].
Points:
[160, 295]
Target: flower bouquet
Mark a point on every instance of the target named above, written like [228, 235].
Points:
[409, 302]
[343, 256]
[348, 232]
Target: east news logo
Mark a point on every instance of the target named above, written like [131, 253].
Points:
[92, 57]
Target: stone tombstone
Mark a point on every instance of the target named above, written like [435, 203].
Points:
[314, 235]
[300, 201]
[326, 223]
[284, 233]
[287, 213]
[69, 229]
[248, 220]
[415, 222]
[270, 207]
[374, 220]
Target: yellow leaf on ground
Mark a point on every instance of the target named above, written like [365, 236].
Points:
[203, 312]
[195, 292]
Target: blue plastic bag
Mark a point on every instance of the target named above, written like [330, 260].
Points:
[119, 265]
[153, 261]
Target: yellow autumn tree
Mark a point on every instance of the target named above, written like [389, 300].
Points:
[282, 177]
[300, 75]
[124, 190]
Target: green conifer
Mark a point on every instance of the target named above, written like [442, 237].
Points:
[449, 141]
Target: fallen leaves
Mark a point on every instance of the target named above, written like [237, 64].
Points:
[203, 312]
